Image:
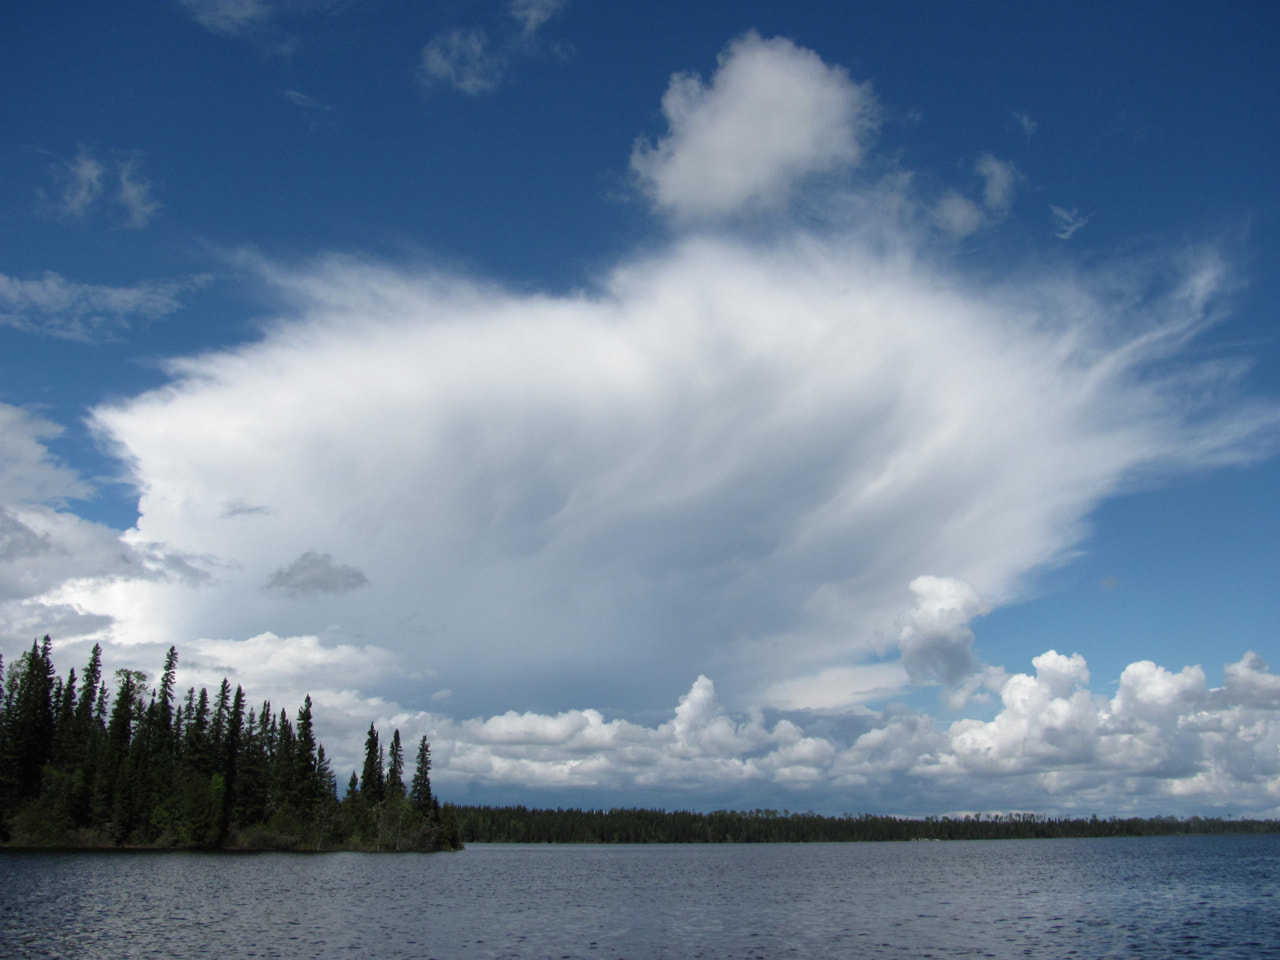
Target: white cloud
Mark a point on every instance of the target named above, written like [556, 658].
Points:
[463, 59]
[82, 185]
[729, 459]
[230, 17]
[958, 215]
[1054, 746]
[773, 114]
[1026, 125]
[1000, 179]
[85, 182]
[532, 14]
[936, 641]
[29, 474]
[58, 307]
[839, 688]
[256, 20]
[466, 59]
[1066, 222]
[134, 194]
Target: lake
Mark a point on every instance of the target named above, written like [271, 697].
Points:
[1155, 897]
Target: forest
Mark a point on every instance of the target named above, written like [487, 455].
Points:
[80, 767]
[518, 824]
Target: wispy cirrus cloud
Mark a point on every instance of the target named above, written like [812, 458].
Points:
[57, 307]
[466, 59]
[1067, 222]
[258, 21]
[957, 215]
[86, 185]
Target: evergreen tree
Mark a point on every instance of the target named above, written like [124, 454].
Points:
[165, 695]
[114, 794]
[77, 766]
[373, 782]
[31, 720]
[395, 767]
[306, 786]
[89, 689]
[420, 792]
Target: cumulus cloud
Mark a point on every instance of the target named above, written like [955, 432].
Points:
[315, 573]
[772, 115]
[55, 306]
[936, 641]
[1054, 745]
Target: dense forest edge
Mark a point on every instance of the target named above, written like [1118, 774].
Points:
[79, 768]
[518, 824]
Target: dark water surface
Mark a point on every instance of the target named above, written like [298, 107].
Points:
[1157, 897]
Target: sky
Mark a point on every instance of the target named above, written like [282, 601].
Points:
[833, 407]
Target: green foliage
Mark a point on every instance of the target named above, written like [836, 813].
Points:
[79, 768]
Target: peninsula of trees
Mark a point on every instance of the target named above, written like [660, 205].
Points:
[145, 769]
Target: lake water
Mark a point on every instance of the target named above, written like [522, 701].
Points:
[1156, 897]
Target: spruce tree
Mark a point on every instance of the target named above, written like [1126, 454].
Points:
[89, 689]
[31, 720]
[165, 694]
[373, 783]
[420, 791]
[307, 790]
[395, 767]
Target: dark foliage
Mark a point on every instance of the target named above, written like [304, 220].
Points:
[522, 825]
[79, 768]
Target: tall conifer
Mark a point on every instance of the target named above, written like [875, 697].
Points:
[420, 792]
[373, 782]
[395, 767]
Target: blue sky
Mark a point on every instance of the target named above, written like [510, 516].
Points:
[805, 405]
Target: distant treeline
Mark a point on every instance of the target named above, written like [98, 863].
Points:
[522, 825]
[81, 768]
